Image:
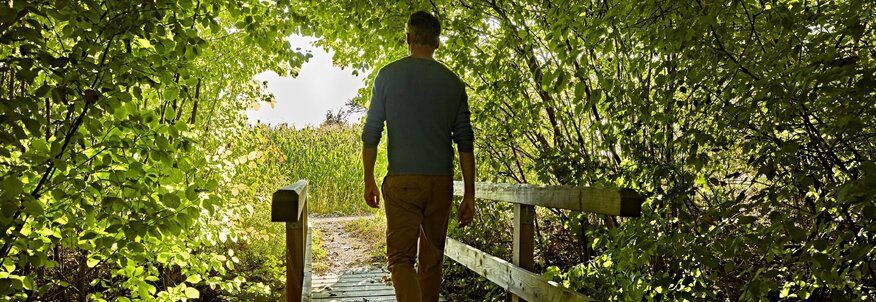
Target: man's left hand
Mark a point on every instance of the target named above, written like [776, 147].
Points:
[466, 212]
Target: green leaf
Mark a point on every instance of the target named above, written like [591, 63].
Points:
[192, 293]
[12, 186]
[28, 283]
[171, 93]
[169, 114]
[551, 273]
[819, 244]
[40, 146]
[580, 90]
[88, 236]
[43, 91]
[170, 200]
[193, 279]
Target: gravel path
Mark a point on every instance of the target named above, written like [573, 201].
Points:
[344, 251]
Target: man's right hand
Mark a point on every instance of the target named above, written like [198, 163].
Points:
[372, 194]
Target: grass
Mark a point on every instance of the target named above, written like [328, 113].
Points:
[372, 232]
[329, 158]
[319, 254]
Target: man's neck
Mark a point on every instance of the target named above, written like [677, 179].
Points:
[422, 52]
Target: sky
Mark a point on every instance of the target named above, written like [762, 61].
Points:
[304, 100]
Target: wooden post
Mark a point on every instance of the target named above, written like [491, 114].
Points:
[296, 241]
[524, 239]
[289, 205]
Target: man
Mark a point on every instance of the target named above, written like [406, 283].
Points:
[425, 106]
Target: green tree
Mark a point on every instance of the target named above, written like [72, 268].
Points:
[118, 118]
[748, 124]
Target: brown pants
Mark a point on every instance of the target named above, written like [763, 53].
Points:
[417, 207]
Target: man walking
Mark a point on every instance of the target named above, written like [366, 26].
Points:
[425, 106]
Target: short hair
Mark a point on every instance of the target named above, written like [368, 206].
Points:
[424, 28]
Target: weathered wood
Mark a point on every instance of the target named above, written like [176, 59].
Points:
[296, 250]
[516, 280]
[288, 203]
[306, 285]
[387, 298]
[386, 291]
[349, 287]
[619, 202]
[523, 239]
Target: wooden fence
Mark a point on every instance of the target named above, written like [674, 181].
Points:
[289, 205]
[517, 277]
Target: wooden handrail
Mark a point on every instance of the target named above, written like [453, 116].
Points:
[617, 202]
[517, 277]
[289, 205]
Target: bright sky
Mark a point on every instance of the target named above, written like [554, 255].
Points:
[303, 101]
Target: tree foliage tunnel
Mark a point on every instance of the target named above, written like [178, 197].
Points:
[750, 125]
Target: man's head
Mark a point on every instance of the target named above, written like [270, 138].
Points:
[423, 29]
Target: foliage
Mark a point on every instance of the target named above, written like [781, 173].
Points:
[120, 122]
[275, 156]
[748, 124]
[329, 157]
[127, 172]
[488, 232]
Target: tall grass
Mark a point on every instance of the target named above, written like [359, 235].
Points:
[329, 158]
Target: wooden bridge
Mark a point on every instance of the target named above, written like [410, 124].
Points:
[289, 205]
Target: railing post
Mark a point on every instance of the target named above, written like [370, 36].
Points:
[524, 239]
[289, 205]
[296, 241]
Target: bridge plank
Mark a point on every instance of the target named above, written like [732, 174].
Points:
[357, 299]
[349, 287]
[372, 285]
[386, 291]
[618, 202]
[522, 283]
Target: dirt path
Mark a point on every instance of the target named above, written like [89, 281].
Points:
[344, 251]
[335, 220]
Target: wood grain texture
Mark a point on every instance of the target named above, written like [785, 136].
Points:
[308, 267]
[618, 202]
[355, 285]
[518, 281]
[288, 203]
[297, 248]
[523, 242]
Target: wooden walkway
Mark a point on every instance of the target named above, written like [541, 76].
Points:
[289, 205]
[362, 285]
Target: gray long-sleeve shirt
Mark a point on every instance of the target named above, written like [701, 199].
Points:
[425, 106]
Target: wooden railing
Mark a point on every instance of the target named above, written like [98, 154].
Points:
[289, 205]
[518, 277]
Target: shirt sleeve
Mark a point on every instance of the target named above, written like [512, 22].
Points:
[463, 135]
[376, 117]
